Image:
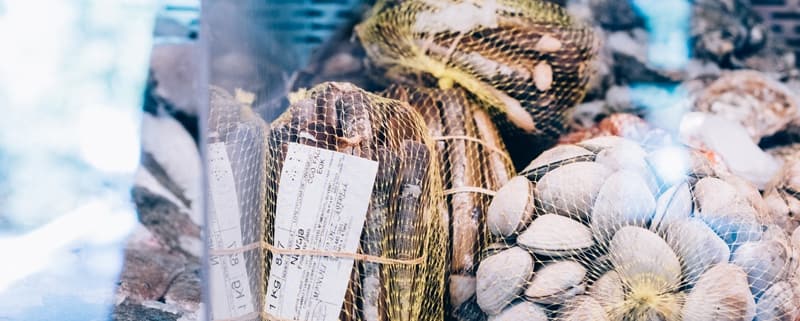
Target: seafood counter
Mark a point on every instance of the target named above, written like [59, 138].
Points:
[516, 160]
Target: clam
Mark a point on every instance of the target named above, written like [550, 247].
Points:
[670, 164]
[779, 209]
[501, 278]
[557, 282]
[556, 235]
[523, 311]
[776, 233]
[728, 214]
[608, 290]
[461, 288]
[571, 189]
[721, 294]
[511, 208]
[557, 154]
[778, 303]
[583, 308]
[705, 163]
[672, 205]
[630, 157]
[697, 245]
[750, 194]
[603, 142]
[764, 261]
[623, 200]
[639, 255]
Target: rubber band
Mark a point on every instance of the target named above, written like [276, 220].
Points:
[473, 139]
[470, 189]
[253, 315]
[344, 255]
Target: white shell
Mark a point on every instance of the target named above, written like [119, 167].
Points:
[555, 154]
[547, 43]
[461, 288]
[721, 294]
[697, 245]
[728, 214]
[640, 255]
[778, 303]
[511, 208]
[674, 204]
[570, 190]
[557, 282]
[608, 290]
[623, 200]
[764, 262]
[583, 308]
[778, 209]
[543, 76]
[630, 157]
[523, 311]
[669, 163]
[501, 278]
[556, 235]
[748, 192]
[603, 142]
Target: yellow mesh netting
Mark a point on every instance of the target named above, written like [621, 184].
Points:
[404, 222]
[243, 135]
[606, 229]
[474, 164]
[528, 59]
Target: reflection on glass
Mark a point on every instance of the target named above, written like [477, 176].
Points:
[71, 79]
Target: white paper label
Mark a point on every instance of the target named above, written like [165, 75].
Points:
[230, 286]
[322, 203]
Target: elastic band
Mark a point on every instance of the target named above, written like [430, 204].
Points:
[470, 189]
[346, 255]
[473, 139]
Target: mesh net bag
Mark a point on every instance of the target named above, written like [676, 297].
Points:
[527, 59]
[236, 154]
[608, 230]
[783, 196]
[474, 164]
[398, 267]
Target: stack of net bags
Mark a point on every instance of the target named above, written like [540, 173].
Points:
[477, 71]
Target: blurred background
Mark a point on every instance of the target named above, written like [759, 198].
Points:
[80, 110]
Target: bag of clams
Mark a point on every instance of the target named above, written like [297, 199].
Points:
[607, 229]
